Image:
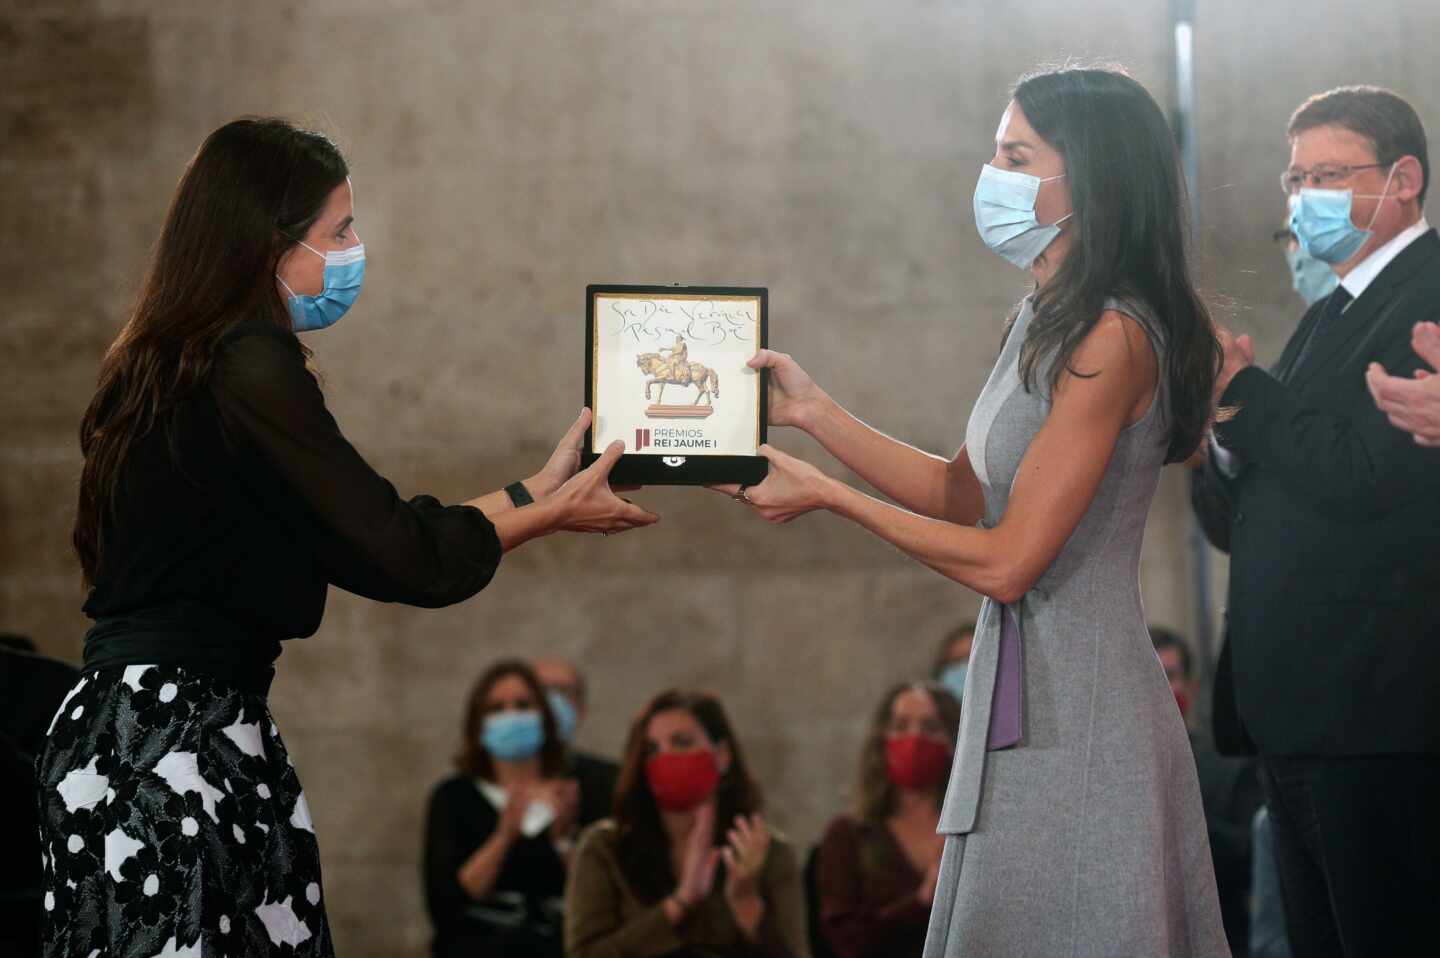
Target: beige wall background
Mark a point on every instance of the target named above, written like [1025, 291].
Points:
[504, 155]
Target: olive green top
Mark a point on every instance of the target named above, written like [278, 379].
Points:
[604, 919]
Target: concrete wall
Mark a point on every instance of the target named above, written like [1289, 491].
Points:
[505, 155]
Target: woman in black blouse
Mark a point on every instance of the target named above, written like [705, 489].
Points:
[498, 835]
[218, 502]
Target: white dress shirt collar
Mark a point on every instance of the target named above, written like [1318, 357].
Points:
[1371, 266]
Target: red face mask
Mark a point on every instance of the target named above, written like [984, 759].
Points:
[1182, 699]
[915, 761]
[681, 780]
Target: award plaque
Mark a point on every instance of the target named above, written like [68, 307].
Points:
[665, 371]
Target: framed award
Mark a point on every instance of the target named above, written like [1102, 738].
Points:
[665, 370]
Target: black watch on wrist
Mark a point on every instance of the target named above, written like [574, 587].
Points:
[519, 495]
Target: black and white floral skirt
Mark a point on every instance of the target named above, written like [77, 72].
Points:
[173, 824]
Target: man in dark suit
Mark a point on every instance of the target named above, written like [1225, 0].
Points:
[1332, 518]
[596, 775]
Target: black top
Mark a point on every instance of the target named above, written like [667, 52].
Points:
[597, 777]
[1333, 529]
[225, 548]
[460, 819]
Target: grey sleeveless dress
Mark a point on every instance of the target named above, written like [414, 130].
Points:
[1086, 837]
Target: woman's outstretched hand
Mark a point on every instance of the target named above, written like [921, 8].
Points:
[586, 503]
[564, 462]
[792, 488]
[795, 400]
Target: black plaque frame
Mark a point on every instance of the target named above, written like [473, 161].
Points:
[694, 469]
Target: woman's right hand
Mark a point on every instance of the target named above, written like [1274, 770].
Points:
[586, 503]
[512, 816]
[795, 400]
[697, 871]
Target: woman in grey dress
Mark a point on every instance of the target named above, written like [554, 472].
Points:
[1072, 818]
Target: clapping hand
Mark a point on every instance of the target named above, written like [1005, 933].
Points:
[1238, 353]
[747, 844]
[1412, 404]
[697, 871]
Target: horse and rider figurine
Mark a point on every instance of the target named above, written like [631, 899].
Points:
[677, 370]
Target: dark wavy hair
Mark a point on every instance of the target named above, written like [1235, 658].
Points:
[1130, 239]
[644, 848]
[253, 189]
[874, 792]
[474, 760]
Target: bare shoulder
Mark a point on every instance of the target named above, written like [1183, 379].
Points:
[1115, 364]
[1117, 341]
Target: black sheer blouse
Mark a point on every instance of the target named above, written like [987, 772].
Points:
[235, 515]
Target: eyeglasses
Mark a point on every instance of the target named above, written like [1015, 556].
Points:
[1283, 236]
[1323, 177]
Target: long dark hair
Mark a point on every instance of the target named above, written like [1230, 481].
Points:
[1130, 238]
[643, 845]
[874, 792]
[475, 761]
[253, 189]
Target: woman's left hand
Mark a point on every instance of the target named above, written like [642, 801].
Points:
[792, 488]
[747, 844]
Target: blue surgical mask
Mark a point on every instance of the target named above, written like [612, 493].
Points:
[513, 736]
[1005, 214]
[565, 717]
[953, 678]
[1312, 279]
[344, 272]
[1320, 220]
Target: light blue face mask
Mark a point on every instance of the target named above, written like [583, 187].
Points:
[1320, 220]
[565, 717]
[513, 736]
[1312, 279]
[1005, 214]
[344, 272]
[953, 678]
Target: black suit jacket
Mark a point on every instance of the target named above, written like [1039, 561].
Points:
[1333, 528]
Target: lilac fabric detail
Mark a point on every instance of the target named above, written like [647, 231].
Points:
[1005, 704]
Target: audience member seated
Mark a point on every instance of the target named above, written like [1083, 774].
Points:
[687, 866]
[952, 659]
[31, 689]
[877, 867]
[1229, 791]
[498, 835]
[566, 691]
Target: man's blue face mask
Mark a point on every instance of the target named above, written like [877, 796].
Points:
[1320, 220]
[1311, 278]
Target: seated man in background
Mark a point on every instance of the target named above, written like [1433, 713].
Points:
[566, 691]
[1229, 791]
[952, 659]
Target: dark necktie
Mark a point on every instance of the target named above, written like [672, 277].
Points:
[1325, 325]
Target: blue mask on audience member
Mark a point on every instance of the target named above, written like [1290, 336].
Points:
[953, 678]
[344, 273]
[1311, 278]
[565, 717]
[1320, 220]
[513, 736]
[1005, 214]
